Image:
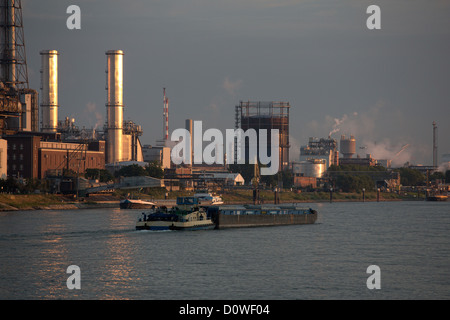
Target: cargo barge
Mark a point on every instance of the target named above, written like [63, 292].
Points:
[260, 216]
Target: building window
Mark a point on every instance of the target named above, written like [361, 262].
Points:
[21, 157]
[21, 146]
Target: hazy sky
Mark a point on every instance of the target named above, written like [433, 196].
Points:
[385, 86]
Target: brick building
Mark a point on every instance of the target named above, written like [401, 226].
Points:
[37, 156]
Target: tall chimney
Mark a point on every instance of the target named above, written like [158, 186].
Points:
[435, 148]
[189, 128]
[49, 89]
[114, 105]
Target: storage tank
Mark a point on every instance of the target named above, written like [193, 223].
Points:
[49, 88]
[310, 168]
[114, 105]
[348, 146]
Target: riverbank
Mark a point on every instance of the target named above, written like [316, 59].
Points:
[15, 202]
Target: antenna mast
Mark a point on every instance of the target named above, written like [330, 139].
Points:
[165, 116]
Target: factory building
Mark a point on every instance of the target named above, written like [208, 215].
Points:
[265, 115]
[39, 156]
[348, 149]
[3, 159]
[33, 149]
[321, 149]
[159, 154]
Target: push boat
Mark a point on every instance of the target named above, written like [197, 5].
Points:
[186, 215]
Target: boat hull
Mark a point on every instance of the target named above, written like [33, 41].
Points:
[171, 225]
[153, 225]
[193, 227]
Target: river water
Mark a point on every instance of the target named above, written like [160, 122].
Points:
[408, 241]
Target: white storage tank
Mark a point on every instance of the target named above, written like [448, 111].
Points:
[310, 168]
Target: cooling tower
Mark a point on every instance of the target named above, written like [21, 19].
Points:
[114, 105]
[49, 90]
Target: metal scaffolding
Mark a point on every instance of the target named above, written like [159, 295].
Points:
[266, 115]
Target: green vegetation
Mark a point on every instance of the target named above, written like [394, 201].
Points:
[153, 169]
[101, 174]
[411, 177]
[25, 201]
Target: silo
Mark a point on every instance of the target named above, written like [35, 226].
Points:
[49, 90]
[348, 146]
[114, 105]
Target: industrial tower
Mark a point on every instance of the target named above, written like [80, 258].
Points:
[18, 103]
[265, 115]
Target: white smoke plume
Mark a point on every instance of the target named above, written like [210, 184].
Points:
[91, 109]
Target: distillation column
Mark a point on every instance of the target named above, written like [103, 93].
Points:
[114, 105]
[49, 90]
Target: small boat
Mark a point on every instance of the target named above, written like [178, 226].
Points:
[186, 215]
[207, 198]
[136, 204]
[437, 197]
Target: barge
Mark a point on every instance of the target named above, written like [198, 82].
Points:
[260, 216]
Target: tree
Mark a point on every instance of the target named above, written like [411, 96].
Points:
[354, 183]
[411, 177]
[101, 174]
[154, 170]
[131, 171]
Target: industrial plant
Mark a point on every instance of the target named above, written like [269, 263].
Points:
[38, 143]
[49, 147]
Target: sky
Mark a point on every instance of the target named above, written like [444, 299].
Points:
[384, 86]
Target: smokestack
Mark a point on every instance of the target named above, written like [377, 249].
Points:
[114, 105]
[49, 89]
[189, 128]
[435, 148]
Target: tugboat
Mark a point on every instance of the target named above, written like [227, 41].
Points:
[186, 215]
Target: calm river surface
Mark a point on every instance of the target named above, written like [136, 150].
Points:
[408, 241]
